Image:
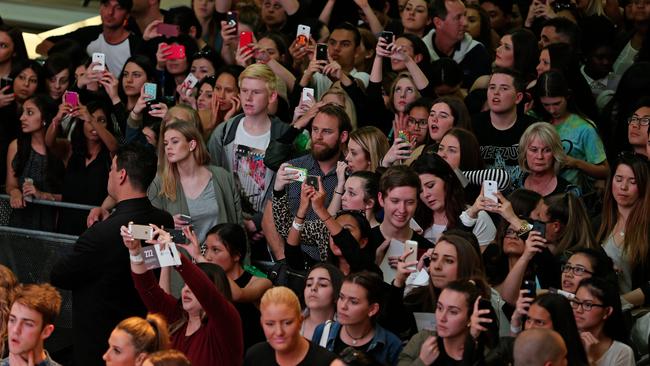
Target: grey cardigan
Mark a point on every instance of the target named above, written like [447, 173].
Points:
[225, 191]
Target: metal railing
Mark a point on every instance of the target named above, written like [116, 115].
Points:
[31, 254]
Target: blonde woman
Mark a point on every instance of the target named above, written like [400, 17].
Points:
[540, 157]
[186, 183]
[133, 339]
[366, 147]
[282, 322]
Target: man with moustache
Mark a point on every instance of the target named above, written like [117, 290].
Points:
[329, 133]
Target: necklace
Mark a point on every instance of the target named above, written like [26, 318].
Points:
[355, 340]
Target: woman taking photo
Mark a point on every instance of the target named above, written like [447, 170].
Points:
[321, 293]
[87, 158]
[541, 157]
[33, 172]
[134, 339]
[205, 325]
[359, 302]
[407, 86]
[225, 248]
[445, 113]
[444, 203]
[458, 326]
[285, 346]
[598, 314]
[586, 160]
[623, 229]
[137, 70]
[186, 183]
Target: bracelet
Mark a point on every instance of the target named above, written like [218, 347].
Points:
[297, 226]
[136, 259]
[300, 218]
[525, 227]
[341, 193]
[515, 330]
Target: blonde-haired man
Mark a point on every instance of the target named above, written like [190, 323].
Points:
[240, 144]
[31, 322]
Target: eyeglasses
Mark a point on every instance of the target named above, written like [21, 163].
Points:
[512, 234]
[417, 122]
[586, 305]
[642, 121]
[578, 271]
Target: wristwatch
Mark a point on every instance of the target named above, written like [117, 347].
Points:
[525, 228]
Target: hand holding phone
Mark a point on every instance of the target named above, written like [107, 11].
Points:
[141, 232]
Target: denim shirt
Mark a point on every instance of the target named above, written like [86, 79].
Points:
[46, 362]
[385, 347]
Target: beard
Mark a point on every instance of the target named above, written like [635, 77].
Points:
[326, 152]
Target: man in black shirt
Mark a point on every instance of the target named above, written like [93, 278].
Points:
[499, 129]
[98, 270]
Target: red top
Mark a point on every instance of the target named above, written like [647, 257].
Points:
[219, 340]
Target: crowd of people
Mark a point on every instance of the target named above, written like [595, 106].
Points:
[366, 182]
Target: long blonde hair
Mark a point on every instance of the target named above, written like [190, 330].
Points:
[169, 173]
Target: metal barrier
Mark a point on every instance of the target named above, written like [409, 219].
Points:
[31, 254]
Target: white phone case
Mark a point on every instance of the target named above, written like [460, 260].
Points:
[306, 93]
[303, 30]
[99, 58]
[490, 188]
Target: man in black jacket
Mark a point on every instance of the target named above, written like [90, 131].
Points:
[98, 270]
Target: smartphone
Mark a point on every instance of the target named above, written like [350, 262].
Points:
[168, 30]
[190, 81]
[302, 173]
[178, 237]
[387, 36]
[100, 59]
[531, 287]
[307, 93]
[312, 180]
[141, 232]
[404, 136]
[490, 188]
[302, 36]
[176, 52]
[321, 51]
[71, 98]
[231, 18]
[186, 218]
[151, 90]
[413, 256]
[245, 38]
[4, 82]
[540, 227]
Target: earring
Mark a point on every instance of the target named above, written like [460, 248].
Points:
[44, 123]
